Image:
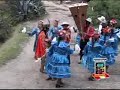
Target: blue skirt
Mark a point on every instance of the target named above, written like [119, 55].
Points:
[109, 53]
[58, 66]
[88, 61]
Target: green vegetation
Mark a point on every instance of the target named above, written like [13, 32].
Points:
[12, 47]
[108, 8]
[12, 13]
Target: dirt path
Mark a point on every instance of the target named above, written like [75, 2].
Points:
[23, 72]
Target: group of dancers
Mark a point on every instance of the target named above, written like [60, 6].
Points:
[102, 43]
[52, 47]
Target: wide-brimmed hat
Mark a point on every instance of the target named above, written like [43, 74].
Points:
[102, 19]
[89, 20]
[65, 23]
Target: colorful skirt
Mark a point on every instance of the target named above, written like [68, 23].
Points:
[88, 61]
[109, 53]
[58, 66]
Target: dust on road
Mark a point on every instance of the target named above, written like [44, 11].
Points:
[23, 72]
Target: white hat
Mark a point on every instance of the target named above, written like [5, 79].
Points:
[65, 23]
[102, 19]
[89, 20]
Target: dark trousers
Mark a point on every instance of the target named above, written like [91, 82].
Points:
[69, 59]
[83, 43]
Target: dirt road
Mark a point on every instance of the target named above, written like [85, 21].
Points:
[23, 72]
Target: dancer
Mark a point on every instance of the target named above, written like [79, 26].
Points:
[88, 33]
[109, 39]
[102, 21]
[92, 50]
[36, 31]
[41, 49]
[115, 34]
[58, 66]
[67, 32]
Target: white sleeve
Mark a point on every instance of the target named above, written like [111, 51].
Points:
[118, 34]
[100, 28]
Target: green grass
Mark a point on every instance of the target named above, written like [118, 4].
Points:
[12, 47]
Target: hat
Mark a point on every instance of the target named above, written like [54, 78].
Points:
[113, 21]
[57, 20]
[89, 20]
[102, 19]
[65, 23]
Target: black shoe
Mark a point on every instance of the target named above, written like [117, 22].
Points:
[42, 71]
[79, 62]
[91, 78]
[49, 79]
[53, 79]
[59, 85]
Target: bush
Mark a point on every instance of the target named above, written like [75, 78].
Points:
[108, 8]
[13, 12]
[5, 31]
[25, 9]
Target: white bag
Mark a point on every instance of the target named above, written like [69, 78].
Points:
[77, 49]
[54, 40]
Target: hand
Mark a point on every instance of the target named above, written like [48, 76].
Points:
[35, 58]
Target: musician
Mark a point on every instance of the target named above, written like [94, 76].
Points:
[86, 35]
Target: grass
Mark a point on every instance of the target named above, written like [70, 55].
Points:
[12, 47]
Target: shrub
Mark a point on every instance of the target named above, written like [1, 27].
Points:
[25, 9]
[5, 30]
[108, 8]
